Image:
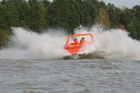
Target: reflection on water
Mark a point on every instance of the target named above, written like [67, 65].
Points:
[70, 76]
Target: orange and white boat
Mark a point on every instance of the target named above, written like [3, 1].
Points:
[75, 43]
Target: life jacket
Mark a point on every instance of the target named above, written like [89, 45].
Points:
[76, 43]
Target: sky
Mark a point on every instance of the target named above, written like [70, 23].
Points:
[123, 3]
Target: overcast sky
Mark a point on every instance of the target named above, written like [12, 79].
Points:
[123, 3]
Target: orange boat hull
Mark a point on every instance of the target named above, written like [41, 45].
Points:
[73, 50]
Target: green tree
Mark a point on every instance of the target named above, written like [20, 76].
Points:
[23, 12]
[131, 22]
[37, 15]
[3, 17]
[9, 13]
[103, 18]
[89, 12]
[62, 13]
[136, 11]
[114, 15]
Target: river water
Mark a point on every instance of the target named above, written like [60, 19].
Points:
[70, 76]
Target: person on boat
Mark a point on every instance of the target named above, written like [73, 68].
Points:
[82, 42]
[75, 43]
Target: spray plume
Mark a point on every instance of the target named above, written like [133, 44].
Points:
[114, 43]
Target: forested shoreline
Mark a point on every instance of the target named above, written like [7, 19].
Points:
[67, 14]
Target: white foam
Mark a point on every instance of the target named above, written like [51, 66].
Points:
[49, 45]
[27, 44]
[113, 43]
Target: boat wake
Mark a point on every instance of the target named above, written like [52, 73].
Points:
[113, 43]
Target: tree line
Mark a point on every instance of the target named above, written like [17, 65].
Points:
[67, 14]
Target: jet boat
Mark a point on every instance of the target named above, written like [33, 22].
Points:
[75, 43]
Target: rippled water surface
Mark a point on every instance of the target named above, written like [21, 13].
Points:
[70, 76]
